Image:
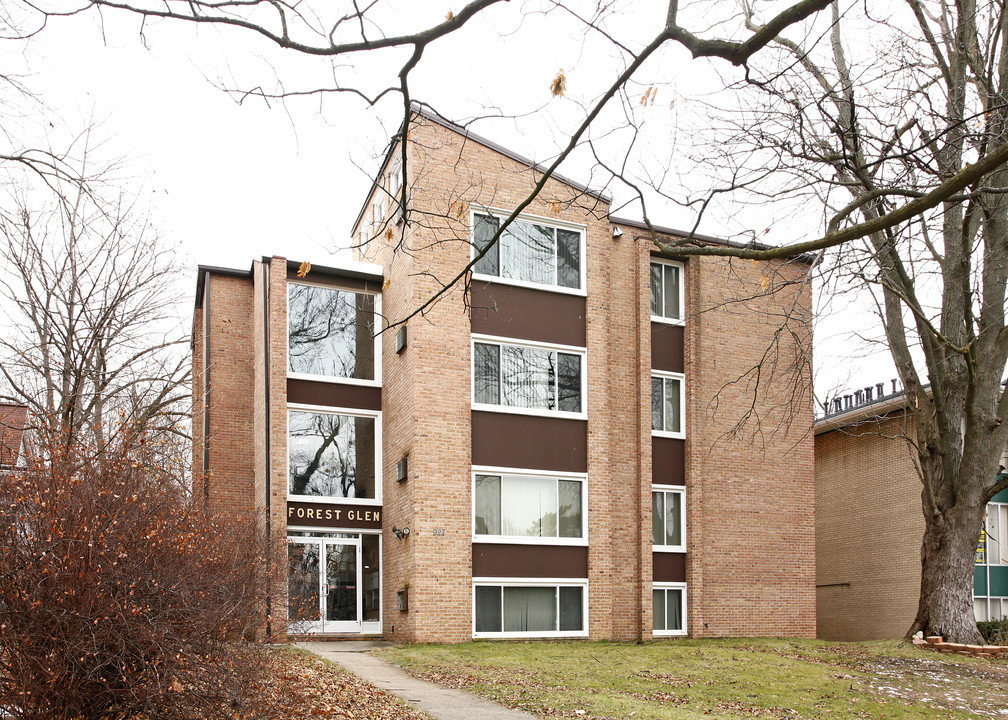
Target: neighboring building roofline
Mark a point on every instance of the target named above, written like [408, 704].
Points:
[428, 113]
[807, 258]
[862, 413]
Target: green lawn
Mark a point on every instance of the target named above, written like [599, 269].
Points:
[717, 678]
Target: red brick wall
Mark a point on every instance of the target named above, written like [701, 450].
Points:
[750, 498]
[231, 463]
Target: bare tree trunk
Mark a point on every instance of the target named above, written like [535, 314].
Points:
[947, 561]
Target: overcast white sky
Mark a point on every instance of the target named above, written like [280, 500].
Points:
[228, 183]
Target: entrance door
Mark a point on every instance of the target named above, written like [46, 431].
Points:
[341, 611]
[323, 585]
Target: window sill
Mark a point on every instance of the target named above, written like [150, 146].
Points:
[510, 540]
[529, 635]
[558, 289]
[668, 548]
[529, 411]
[667, 434]
[668, 633]
[668, 321]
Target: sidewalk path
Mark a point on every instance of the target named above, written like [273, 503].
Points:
[439, 702]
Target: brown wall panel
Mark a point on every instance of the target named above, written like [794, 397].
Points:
[534, 561]
[667, 347]
[322, 278]
[527, 314]
[529, 441]
[312, 392]
[668, 461]
[668, 567]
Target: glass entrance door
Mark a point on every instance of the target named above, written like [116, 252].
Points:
[341, 610]
[323, 585]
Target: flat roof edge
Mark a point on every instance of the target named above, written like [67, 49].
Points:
[806, 258]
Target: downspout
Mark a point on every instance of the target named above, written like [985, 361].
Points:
[640, 429]
[206, 388]
[267, 266]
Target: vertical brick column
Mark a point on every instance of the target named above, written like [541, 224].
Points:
[229, 325]
[751, 487]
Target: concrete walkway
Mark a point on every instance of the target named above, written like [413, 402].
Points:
[439, 702]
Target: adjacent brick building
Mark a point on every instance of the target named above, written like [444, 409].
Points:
[869, 524]
[579, 439]
[13, 421]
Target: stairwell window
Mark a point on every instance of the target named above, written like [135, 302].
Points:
[531, 251]
[527, 378]
[331, 334]
[666, 292]
[333, 456]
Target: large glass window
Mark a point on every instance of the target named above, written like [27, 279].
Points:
[525, 506]
[666, 291]
[668, 518]
[526, 377]
[529, 610]
[667, 404]
[330, 332]
[669, 610]
[528, 251]
[331, 455]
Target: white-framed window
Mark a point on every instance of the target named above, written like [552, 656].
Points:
[669, 609]
[995, 535]
[395, 180]
[532, 251]
[667, 291]
[333, 455]
[668, 518]
[528, 378]
[668, 404]
[331, 334]
[529, 607]
[365, 230]
[529, 507]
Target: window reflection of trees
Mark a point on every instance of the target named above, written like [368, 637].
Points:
[302, 585]
[526, 377]
[529, 252]
[330, 332]
[327, 458]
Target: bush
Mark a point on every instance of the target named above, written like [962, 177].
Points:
[120, 595]
[995, 632]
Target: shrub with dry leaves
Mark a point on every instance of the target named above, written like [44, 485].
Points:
[120, 596]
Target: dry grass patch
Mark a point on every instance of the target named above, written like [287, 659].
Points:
[685, 679]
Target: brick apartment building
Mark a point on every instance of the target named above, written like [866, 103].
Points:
[549, 450]
[868, 581]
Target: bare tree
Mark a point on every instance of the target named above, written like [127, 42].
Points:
[873, 131]
[92, 343]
